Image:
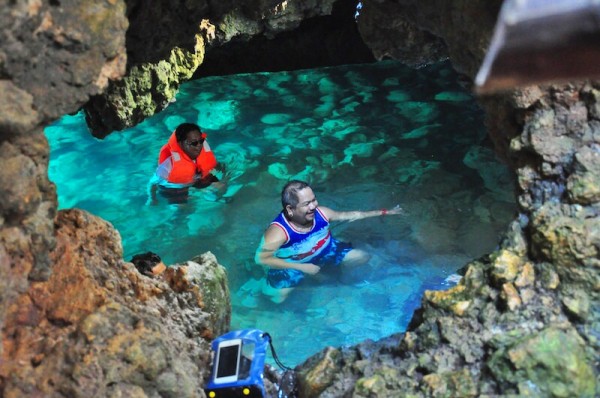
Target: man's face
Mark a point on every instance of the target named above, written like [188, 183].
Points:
[304, 212]
[192, 145]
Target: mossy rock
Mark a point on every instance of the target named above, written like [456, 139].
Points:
[551, 363]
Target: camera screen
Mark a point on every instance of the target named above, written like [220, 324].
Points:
[228, 357]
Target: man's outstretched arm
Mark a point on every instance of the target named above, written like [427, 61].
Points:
[354, 215]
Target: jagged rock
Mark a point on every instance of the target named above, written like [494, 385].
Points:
[416, 34]
[584, 184]
[548, 363]
[97, 327]
[148, 88]
[57, 54]
[390, 36]
[526, 277]
[505, 266]
[53, 56]
[511, 296]
[447, 351]
[320, 373]
[567, 239]
[155, 72]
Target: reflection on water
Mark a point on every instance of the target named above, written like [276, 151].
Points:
[364, 136]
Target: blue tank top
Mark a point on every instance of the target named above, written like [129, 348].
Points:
[301, 247]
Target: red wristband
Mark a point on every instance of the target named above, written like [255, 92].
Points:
[383, 212]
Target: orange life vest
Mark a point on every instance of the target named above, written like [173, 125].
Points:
[184, 169]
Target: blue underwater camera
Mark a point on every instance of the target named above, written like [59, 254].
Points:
[238, 364]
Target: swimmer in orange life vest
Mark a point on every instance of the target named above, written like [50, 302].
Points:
[186, 160]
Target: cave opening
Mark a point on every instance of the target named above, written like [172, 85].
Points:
[317, 42]
[366, 136]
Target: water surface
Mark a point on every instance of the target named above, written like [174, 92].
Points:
[365, 137]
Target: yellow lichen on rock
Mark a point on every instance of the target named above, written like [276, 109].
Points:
[527, 276]
[511, 296]
[506, 265]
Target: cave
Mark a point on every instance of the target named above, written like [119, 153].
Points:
[78, 320]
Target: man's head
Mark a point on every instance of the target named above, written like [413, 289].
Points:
[299, 202]
[190, 139]
[149, 264]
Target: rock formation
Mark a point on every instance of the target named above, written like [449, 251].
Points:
[97, 327]
[78, 321]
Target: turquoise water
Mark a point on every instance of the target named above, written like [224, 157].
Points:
[365, 136]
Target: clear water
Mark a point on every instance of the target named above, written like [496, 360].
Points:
[365, 136]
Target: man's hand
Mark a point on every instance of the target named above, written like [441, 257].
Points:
[309, 268]
[395, 210]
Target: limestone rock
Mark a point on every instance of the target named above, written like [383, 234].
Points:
[97, 327]
[551, 361]
[584, 183]
[57, 55]
[320, 374]
[148, 88]
[506, 266]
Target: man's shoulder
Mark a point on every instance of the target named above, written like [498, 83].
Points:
[326, 212]
[275, 230]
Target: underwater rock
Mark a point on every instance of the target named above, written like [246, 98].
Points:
[279, 171]
[418, 111]
[496, 176]
[420, 131]
[398, 96]
[452, 96]
[276, 118]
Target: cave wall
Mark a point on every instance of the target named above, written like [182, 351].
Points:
[194, 33]
[52, 58]
[515, 309]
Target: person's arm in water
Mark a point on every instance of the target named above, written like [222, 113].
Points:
[272, 240]
[354, 215]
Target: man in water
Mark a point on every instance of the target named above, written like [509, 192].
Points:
[299, 242]
[186, 160]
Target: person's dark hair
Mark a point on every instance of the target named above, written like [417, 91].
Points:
[289, 193]
[145, 262]
[183, 129]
